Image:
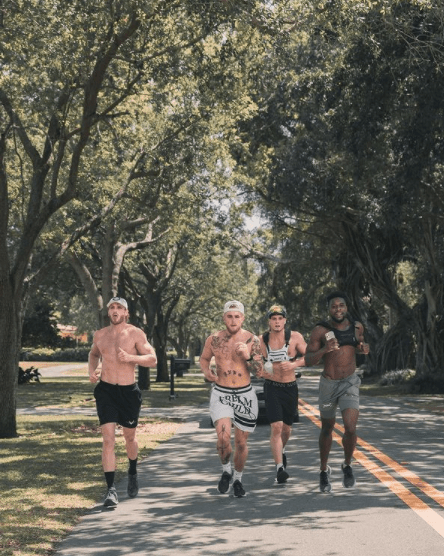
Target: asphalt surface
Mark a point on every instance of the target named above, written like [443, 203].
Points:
[179, 512]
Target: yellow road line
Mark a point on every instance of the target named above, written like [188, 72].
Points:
[424, 511]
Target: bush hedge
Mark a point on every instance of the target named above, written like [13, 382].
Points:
[79, 354]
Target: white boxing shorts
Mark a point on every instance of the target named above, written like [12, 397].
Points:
[239, 404]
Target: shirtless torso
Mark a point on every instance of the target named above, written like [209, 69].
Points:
[230, 353]
[120, 348]
[285, 371]
[339, 360]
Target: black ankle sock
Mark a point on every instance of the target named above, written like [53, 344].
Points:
[109, 477]
[132, 466]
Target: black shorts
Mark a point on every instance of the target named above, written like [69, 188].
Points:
[281, 401]
[118, 404]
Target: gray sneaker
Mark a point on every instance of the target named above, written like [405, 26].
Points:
[133, 486]
[324, 480]
[111, 499]
[348, 481]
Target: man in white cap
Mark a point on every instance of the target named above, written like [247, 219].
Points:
[233, 400]
[120, 347]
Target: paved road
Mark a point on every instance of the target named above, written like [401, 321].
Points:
[179, 512]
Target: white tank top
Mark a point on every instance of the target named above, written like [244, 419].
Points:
[281, 354]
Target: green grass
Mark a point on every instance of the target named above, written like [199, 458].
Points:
[75, 390]
[51, 474]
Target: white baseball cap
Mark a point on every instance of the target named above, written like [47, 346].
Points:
[234, 306]
[118, 300]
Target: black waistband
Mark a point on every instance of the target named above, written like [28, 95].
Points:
[281, 384]
[111, 386]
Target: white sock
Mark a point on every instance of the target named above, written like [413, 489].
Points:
[279, 465]
[237, 476]
[227, 467]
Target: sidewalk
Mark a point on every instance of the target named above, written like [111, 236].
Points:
[179, 512]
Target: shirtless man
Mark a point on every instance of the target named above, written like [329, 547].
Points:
[339, 383]
[120, 347]
[236, 353]
[280, 349]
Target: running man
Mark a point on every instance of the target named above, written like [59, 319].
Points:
[280, 348]
[339, 383]
[120, 347]
[233, 400]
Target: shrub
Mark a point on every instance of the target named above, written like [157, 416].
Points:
[47, 354]
[398, 376]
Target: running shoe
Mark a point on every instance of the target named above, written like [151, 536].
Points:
[348, 480]
[111, 499]
[324, 480]
[238, 489]
[224, 483]
[281, 475]
[133, 485]
[284, 459]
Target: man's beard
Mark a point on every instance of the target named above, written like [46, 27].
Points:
[338, 320]
[119, 321]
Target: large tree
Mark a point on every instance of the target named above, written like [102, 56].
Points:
[353, 132]
[69, 72]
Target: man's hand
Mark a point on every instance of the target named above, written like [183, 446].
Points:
[124, 356]
[364, 348]
[332, 343]
[94, 376]
[241, 349]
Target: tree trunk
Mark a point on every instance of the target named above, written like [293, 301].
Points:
[10, 325]
[144, 380]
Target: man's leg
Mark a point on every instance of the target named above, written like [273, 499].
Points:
[132, 450]
[325, 440]
[241, 449]
[350, 418]
[223, 431]
[239, 459]
[280, 434]
[109, 440]
[109, 462]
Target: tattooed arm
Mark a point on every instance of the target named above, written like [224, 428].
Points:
[256, 363]
[205, 360]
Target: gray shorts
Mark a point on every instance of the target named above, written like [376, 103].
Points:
[343, 393]
[239, 404]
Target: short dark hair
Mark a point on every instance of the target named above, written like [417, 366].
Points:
[335, 294]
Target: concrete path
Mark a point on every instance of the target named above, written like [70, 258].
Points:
[179, 511]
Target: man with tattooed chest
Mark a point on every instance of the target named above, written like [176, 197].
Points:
[237, 353]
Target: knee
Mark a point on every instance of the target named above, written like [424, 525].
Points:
[350, 430]
[108, 442]
[327, 428]
[276, 428]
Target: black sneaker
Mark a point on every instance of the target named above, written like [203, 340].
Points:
[111, 499]
[238, 489]
[133, 485]
[281, 475]
[284, 460]
[348, 480]
[224, 483]
[324, 480]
